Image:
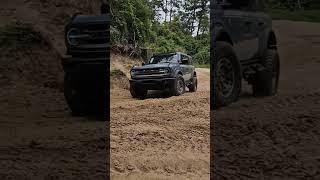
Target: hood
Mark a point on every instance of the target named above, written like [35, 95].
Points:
[91, 19]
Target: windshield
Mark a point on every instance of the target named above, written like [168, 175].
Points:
[170, 58]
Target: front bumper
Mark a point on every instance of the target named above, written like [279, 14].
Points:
[153, 84]
[87, 75]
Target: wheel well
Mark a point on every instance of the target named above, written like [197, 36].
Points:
[272, 41]
[224, 36]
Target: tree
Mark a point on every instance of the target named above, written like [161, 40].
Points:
[139, 23]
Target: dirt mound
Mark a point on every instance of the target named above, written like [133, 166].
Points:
[123, 63]
[118, 79]
[60, 11]
[28, 58]
[275, 137]
[120, 70]
[35, 119]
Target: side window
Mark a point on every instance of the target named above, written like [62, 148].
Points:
[175, 59]
[184, 59]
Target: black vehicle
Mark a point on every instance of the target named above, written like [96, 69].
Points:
[172, 71]
[86, 64]
[244, 47]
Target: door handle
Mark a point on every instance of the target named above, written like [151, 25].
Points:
[261, 23]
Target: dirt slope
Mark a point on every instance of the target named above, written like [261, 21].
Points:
[276, 137]
[39, 137]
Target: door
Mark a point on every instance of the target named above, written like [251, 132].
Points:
[184, 64]
[264, 24]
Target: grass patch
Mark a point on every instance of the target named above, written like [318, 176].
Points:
[19, 35]
[202, 66]
[117, 73]
[299, 15]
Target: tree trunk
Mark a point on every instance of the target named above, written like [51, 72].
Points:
[193, 20]
[166, 11]
[171, 6]
[199, 25]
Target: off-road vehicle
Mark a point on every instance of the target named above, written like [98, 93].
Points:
[244, 46]
[86, 64]
[171, 71]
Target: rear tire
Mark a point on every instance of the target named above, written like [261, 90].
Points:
[179, 86]
[265, 83]
[194, 85]
[138, 93]
[226, 76]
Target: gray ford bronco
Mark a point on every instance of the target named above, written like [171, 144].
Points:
[171, 71]
[244, 46]
[86, 64]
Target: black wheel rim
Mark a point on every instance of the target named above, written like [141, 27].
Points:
[226, 77]
[180, 86]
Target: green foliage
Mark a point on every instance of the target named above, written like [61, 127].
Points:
[292, 5]
[19, 35]
[173, 37]
[203, 56]
[117, 73]
[296, 10]
[131, 23]
[184, 26]
[301, 15]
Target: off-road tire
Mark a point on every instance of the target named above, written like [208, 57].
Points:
[223, 52]
[73, 97]
[265, 83]
[179, 86]
[194, 84]
[138, 93]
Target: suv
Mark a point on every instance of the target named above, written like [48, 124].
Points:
[244, 46]
[172, 71]
[86, 64]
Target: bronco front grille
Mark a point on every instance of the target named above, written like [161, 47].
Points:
[97, 36]
[91, 42]
[148, 72]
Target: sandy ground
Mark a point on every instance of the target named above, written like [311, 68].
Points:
[275, 137]
[39, 137]
[161, 137]
[157, 138]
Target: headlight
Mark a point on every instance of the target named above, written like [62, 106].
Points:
[133, 73]
[72, 36]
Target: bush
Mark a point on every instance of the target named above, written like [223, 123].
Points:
[117, 73]
[18, 35]
[202, 57]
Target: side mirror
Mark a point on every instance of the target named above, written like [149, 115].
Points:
[143, 64]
